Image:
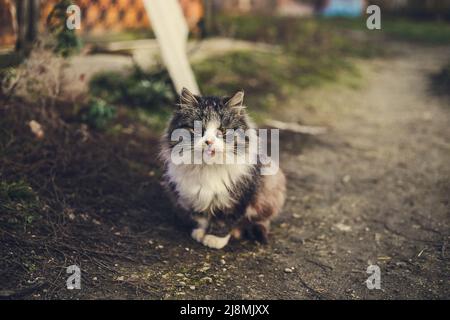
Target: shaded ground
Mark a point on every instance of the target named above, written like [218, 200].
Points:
[374, 190]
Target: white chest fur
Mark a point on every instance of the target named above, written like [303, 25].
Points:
[206, 187]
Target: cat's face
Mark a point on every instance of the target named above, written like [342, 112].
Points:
[211, 120]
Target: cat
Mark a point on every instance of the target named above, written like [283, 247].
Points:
[221, 200]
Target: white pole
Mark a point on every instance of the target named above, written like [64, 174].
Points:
[171, 30]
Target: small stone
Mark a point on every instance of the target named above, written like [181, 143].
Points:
[204, 268]
[94, 278]
[192, 287]
[343, 227]
[382, 258]
[182, 283]
[207, 279]
[222, 261]
[36, 129]
[296, 216]
[346, 179]
[288, 270]
[121, 278]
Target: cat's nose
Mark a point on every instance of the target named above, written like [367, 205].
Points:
[209, 142]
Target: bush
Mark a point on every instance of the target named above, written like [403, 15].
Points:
[38, 79]
[16, 191]
[66, 40]
[148, 90]
[306, 37]
[20, 201]
[267, 77]
[98, 113]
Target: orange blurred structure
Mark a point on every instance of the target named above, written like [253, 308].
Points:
[7, 23]
[98, 16]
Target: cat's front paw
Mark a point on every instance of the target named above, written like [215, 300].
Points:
[215, 242]
[198, 234]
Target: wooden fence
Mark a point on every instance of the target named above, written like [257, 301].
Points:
[97, 16]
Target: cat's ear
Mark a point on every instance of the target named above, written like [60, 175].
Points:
[187, 98]
[236, 101]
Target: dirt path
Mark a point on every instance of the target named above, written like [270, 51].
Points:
[374, 190]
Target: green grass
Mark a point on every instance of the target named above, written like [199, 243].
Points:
[20, 201]
[432, 32]
[148, 90]
[126, 35]
[16, 191]
[295, 32]
[98, 113]
[311, 53]
[266, 77]
[154, 120]
[146, 95]
[421, 31]
[308, 37]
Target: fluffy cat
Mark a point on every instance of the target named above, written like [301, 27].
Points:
[223, 201]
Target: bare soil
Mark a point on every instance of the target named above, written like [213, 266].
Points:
[374, 190]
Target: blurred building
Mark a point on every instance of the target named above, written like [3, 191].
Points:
[8, 26]
[97, 16]
[294, 8]
[290, 7]
[343, 8]
[430, 9]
